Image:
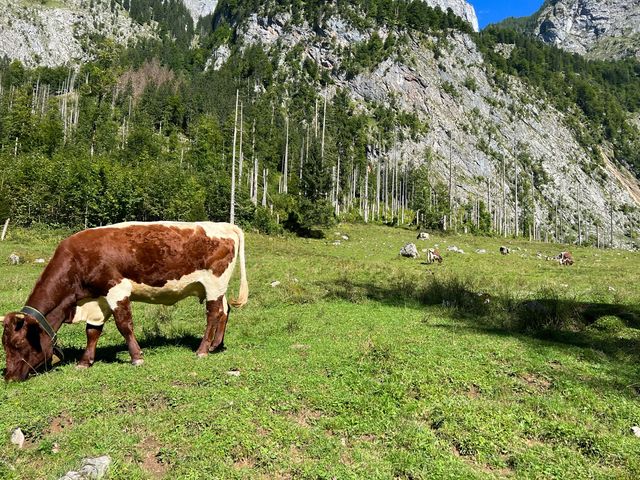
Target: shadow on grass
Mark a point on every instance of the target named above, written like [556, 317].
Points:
[109, 354]
[546, 314]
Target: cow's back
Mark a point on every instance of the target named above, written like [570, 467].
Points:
[151, 254]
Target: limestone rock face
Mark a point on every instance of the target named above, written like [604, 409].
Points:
[596, 28]
[200, 8]
[460, 8]
[43, 35]
[478, 121]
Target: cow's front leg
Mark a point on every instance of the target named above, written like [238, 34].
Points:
[93, 334]
[124, 322]
[216, 324]
[223, 318]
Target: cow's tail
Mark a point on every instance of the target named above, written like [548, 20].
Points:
[243, 294]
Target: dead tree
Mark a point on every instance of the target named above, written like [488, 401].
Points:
[232, 210]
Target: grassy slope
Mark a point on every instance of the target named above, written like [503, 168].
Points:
[360, 364]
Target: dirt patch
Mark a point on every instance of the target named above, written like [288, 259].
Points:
[60, 423]
[473, 391]
[152, 463]
[483, 467]
[536, 381]
[305, 417]
[533, 442]
[245, 463]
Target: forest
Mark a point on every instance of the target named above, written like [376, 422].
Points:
[147, 132]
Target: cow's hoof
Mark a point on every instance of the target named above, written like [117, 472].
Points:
[203, 355]
[137, 362]
[218, 349]
[82, 366]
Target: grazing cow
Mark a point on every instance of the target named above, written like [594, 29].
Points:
[564, 258]
[433, 255]
[99, 272]
[505, 250]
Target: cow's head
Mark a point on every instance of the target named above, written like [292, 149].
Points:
[26, 345]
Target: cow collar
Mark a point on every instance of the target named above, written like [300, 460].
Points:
[46, 326]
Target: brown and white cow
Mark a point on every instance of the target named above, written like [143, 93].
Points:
[433, 255]
[98, 272]
[564, 258]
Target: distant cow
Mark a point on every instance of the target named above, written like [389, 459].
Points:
[98, 272]
[505, 250]
[433, 255]
[564, 258]
[423, 236]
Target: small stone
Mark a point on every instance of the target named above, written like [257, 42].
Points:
[275, 283]
[233, 373]
[55, 448]
[636, 431]
[14, 259]
[345, 237]
[17, 437]
[39, 260]
[481, 251]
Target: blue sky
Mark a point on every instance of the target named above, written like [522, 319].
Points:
[491, 11]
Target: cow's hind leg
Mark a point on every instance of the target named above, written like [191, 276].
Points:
[124, 322]
[93, 334]
[216, 324]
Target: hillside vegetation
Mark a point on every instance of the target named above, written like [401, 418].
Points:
[146, 131]
[359, 364]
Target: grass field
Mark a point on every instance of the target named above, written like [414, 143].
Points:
[359, 364]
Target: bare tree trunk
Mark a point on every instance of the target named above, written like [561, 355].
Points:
[324, 120]
[450, 180]
[285, 178]
[4, 229]
[241, 153]
[611, 219]
[232, 210]
[516, 204]
[337, 194]
[254, 179]
[265, 173]
[366, 193]
[579, 215]
[504, 201]
[378, 189]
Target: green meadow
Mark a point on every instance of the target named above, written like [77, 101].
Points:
[358, 364]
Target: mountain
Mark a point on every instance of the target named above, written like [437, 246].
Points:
[57, 32]
[479, 119]
[490, 132]
[602, 29]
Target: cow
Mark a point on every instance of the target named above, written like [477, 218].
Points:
[98, 272]
[433, 255]
[564, 258]
[505, 250]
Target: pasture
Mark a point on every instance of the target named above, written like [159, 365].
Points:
[358, 364]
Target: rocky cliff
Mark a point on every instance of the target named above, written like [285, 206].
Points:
[460, 8]
[480, 124]
[64, 31]
[200, 8]
[596, 28]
